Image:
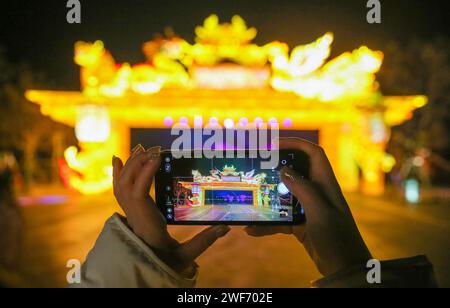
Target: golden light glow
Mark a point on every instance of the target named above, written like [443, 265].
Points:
[92, 174]
[174, 62]
[236, 33]
[223, 75]
[349, 76]
[93, 124]
[230, 77]
[216, 42]
[399, 109]
[304, 59]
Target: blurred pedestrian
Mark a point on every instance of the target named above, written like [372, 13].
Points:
[11, 223]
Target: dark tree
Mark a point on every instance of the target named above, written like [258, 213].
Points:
[421, 67]
[23, 130]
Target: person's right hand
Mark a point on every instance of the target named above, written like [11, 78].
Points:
[330, 234]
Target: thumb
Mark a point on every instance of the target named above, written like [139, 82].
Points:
[192, 249]
[309, 196]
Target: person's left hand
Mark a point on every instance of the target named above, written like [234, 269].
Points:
[132, 183]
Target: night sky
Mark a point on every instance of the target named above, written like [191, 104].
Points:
[36, 32]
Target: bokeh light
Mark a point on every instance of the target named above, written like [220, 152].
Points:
[168, 122]
[288, 123]
[229, 124]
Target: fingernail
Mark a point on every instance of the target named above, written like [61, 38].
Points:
[114, 159]
[135, 148]
[291, 175]
[138, 150]
[154, 153]
[221, 231]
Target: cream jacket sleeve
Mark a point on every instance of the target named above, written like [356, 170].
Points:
[120, 259]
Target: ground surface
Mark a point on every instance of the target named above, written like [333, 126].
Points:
[228, 213]
[57, 233]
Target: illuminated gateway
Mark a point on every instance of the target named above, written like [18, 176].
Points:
[224, 76]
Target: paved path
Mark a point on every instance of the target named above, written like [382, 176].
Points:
[229, 213]
[56, 233]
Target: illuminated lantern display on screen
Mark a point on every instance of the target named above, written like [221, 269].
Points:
[224, 78]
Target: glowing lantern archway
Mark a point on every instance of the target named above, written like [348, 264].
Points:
[224, 77]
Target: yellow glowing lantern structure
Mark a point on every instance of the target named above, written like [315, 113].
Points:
[224, 76]
[93, 124]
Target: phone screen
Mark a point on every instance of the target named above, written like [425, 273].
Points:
[225, 191]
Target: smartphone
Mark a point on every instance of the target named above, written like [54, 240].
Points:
[201, 191]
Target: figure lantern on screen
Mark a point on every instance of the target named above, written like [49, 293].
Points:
[226, 187]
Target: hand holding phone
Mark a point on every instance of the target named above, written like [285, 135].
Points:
[330, 234]
[132, 183]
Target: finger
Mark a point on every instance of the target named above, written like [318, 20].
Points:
[256, 231]
[136, 162]
[152, 153]
[117, 169]
[192, 249]
[137, 150]
[320, 166]
[321, 171]
[151, 166]
[310, 198]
